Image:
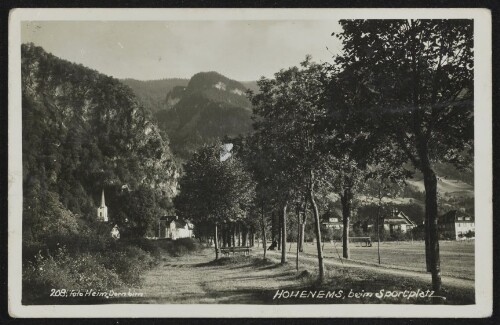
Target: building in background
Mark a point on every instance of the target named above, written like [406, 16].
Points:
[174, 228]
[398, 221]
[456, 225]
[332, 219]
[102, 210]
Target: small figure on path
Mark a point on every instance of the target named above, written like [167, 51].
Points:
[273, 245]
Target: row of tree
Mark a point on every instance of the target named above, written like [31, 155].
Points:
[397, 99]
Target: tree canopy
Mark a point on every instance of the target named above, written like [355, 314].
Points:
[411, 89]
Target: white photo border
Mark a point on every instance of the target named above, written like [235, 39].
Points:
[483, 173]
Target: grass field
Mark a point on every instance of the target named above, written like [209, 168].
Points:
[199, 279]
[196, 278]
[457, 257]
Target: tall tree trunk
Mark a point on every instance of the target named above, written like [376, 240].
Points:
[427, 240]
[223, 231]
[298, 238]
[274, 231]
[346, 199]
[245, 235]
[283, 234]
[430, 183]
[431, 210]
[279, 232]
[239, 234]
[233, 235]
[378, 223]
[264, 244]
[303, 225]
[216, 240]
[317, 229]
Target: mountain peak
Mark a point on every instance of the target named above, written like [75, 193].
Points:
[203, 81]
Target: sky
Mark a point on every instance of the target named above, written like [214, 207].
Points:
[243, 50]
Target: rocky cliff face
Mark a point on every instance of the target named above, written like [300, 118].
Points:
[211, 106]
[84, 131]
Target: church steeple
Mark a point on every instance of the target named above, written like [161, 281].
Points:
[103, 203]
[102, 210]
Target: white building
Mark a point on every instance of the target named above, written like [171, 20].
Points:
[102, 210]
[456, 225]
[172, 227]
[398, 221]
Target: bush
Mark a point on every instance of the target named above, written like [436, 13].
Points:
[146, 245]
[58, 271]
[418, 232]
[182, 246]
[470, 234]
[398, 235]
[129, 263]
[87, 260]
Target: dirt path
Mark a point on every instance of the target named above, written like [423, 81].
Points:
[197, 279]
[448, 281]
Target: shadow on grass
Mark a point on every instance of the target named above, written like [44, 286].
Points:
[237, 262]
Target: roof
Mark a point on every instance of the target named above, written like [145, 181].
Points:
[399, 219]
[453, 216]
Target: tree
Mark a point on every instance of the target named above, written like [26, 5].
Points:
[386, 181]
[214, 191]
[287, 110]
[413, 83]
[142, 210]
[275, 184]
[347, 178]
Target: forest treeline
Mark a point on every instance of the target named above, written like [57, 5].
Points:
[397, 101]
[84, 132]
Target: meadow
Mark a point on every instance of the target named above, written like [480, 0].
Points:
[457, 257]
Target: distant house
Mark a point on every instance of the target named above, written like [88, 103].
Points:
[398, 221]
[456, 224]
[332, 219]
[172, 227]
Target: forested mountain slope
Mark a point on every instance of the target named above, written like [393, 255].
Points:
[153, 93]
[211, 106]
[84, 132]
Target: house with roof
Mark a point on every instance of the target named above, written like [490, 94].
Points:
[332, 219]
[456, 225]
[174, 228]
[398, 221]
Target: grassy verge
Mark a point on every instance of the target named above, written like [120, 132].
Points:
[359, 286]
[88, 273]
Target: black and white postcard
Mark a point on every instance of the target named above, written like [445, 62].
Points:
[250, 163]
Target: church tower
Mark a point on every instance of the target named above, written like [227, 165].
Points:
[102, 211]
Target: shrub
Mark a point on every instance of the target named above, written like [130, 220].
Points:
[128, 262]
[60, 270]
[92, 261]
[470, 234]
[398, 235]
[144, 244]
[180, 246]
